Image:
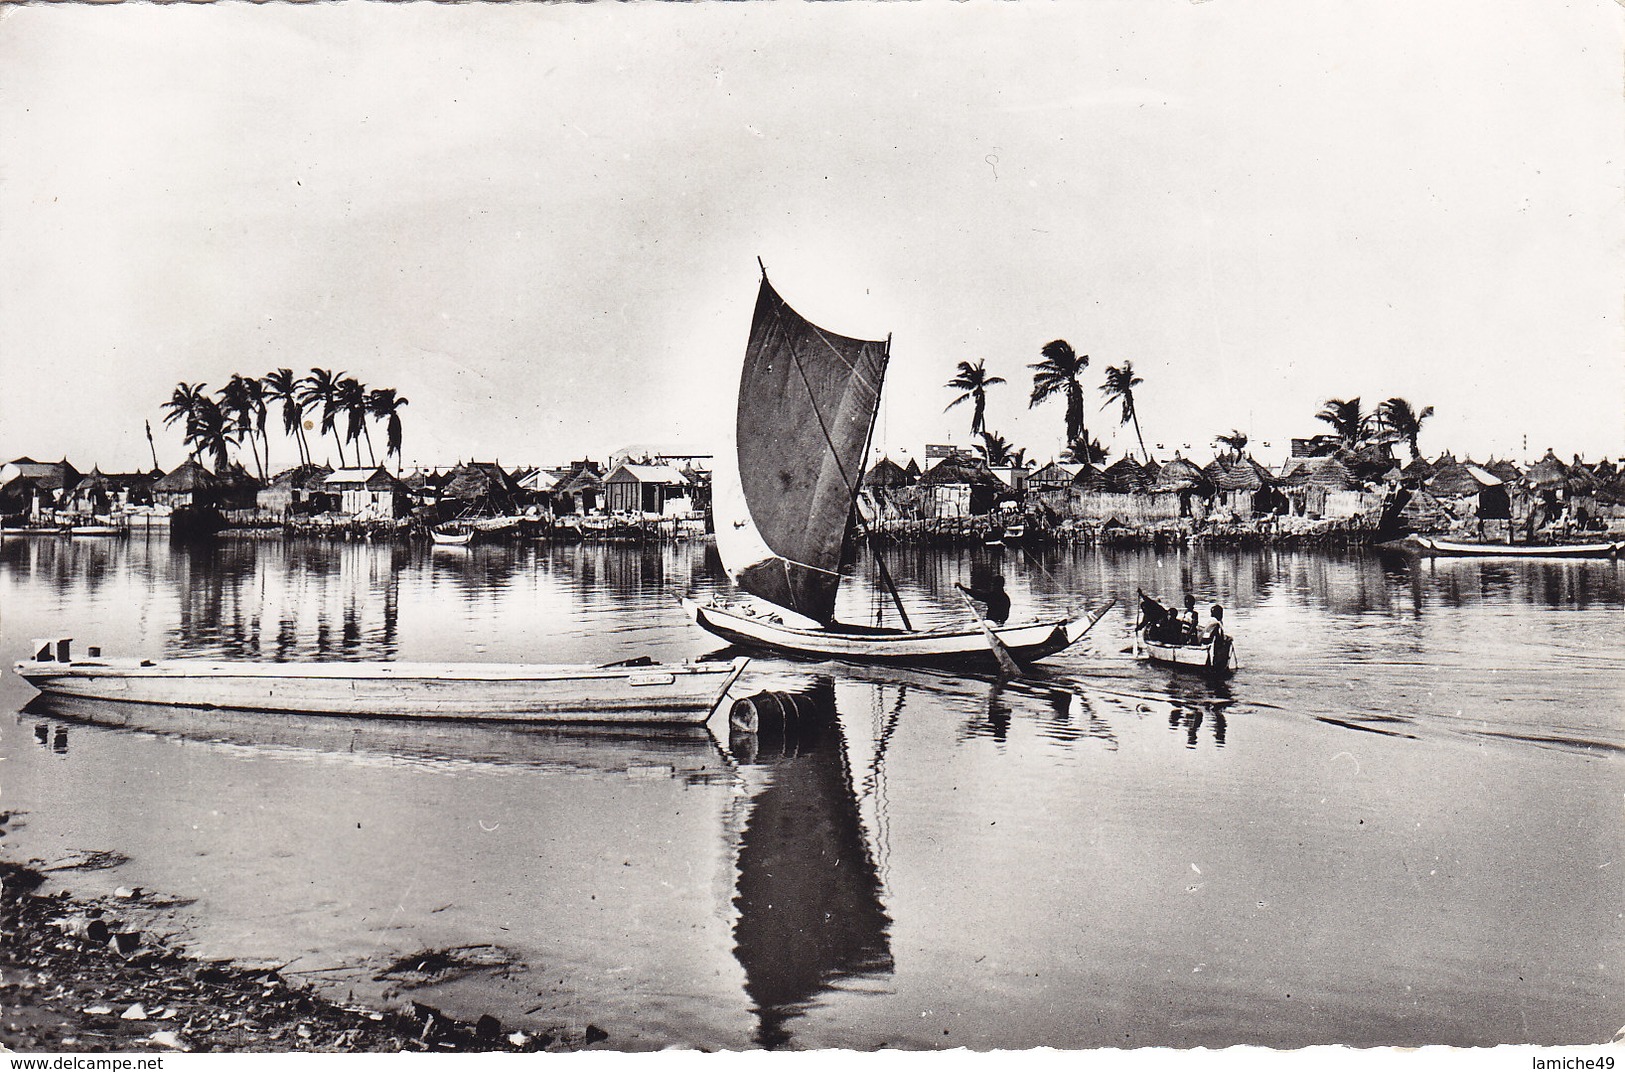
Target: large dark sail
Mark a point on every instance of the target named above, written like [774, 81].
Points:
[807, 405]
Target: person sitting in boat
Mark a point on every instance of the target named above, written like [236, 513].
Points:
[1214, 628]
[1160, 623]
[998, 602]
[1191, 621]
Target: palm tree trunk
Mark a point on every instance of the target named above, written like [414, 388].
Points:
[1140, 437]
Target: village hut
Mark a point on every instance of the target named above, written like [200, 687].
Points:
[1548, 474]
[1317, 487]
[1184, 479]
[959, 487]
[647, 489]
[1508, 471]
[187, 485]
[103, 493]
[480, 489]
[887, 492]
[1126, 476]
[369, 493]
[1243, 486]
[912, 469]
[238, 489]
[300, 490]
[1416, 471]
[580, 489]
[47, 483]
[1452, 479]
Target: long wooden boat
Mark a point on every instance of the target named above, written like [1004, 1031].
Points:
[784, 502]
[1429, 545]
[740, 624]
[637, 691]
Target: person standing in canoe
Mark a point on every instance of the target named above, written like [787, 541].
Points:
[998, 602]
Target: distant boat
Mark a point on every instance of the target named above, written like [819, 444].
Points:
[1454, 548]
[451, 539]
[636, 691]
[1015, 533]
[97, 530]
[784, 506]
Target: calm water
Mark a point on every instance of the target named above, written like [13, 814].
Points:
[1398, 824]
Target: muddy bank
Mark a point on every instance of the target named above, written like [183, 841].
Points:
[82, 974]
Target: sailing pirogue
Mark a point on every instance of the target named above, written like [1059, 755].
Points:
[785, 505]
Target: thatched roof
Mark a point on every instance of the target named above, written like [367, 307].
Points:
[1181, 474]
[1126, 474]
[1457, 478]
[188, 476]
[309, 477]
[1326, 472]
[1053, 475]
[475, 481]
[886, 474]
[1229, 473]
[1088, 478]
[1548, 473]
[1418, 469]
[1506, 470]
[959, 471]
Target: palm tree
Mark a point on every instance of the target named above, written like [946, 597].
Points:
[1119, 387]
[1058, 374]
[183, 406]
[995, 449]
[1402, 422]
[352, 399]
[385, 405]
[213, 432]
[973, 381]
[1347, 420]
[237, 403]
[320, 388]
[1079, 452]
[1236, 441]
[280, 386]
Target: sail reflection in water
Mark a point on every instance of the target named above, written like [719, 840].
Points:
[809, 898]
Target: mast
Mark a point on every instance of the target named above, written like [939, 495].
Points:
[869, 538]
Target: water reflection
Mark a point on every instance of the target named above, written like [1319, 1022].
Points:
[688, 753]
[808, 893]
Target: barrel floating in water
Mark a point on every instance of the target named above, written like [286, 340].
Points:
[769, 712]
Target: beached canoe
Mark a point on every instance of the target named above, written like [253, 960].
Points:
[635, 691]
[1429, 545]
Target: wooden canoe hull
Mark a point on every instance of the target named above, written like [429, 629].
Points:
[941, 647]
[668, 693]
[1455, 549]
[1195, 657]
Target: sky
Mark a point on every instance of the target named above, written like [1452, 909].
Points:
[541, 223]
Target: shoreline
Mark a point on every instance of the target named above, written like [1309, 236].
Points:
[81, 974]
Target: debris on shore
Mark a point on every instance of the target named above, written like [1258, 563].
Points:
[75, 976]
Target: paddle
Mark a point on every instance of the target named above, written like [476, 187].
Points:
[1001, 654]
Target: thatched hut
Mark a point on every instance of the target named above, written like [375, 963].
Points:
[482, 489]
[1126, 476]
[957, 487]
[187, 485]
[300, 490]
